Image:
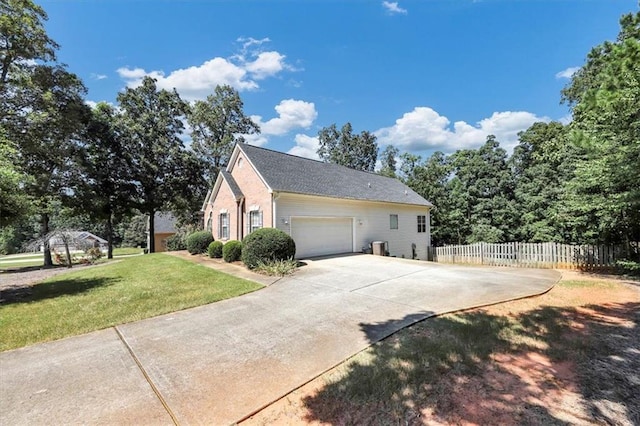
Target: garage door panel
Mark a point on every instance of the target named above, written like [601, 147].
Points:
[322, 236]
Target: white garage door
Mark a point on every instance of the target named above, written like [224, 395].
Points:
[321, 236]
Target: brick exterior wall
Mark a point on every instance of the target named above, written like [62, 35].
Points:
[255, 191]
[224, 201]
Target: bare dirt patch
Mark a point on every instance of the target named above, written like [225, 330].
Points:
[571, 356]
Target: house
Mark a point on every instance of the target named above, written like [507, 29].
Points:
[164, 226]
[326, 208]
[77, 241]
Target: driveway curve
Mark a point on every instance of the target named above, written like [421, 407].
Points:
[220, 363]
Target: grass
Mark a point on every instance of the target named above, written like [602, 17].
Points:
[13, 264]
[126, 251]
[119, 292]
[27, 260]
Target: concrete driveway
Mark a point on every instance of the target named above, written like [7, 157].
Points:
[219, 363]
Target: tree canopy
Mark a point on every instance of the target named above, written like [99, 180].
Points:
[359, 151]
[218, 123]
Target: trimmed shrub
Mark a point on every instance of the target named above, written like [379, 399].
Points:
[198, 242]
[266, 245]
[215, 249]
[232, 251]
[176, 242]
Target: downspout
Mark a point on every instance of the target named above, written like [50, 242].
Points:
[239, 218]
[274, 198]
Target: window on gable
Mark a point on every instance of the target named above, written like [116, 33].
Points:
[223, 226]
[255, 220]
[393, 221]
[422, 223]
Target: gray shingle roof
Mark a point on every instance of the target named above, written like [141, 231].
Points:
[289, 173]
[164, 222]
[235, 189]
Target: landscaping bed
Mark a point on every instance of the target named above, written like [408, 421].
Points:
[569, 356]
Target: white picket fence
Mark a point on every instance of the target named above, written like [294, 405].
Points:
[530, 255]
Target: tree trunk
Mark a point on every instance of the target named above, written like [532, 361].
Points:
[44, 231]
[67, 252]
[150, 235]
[110, 237]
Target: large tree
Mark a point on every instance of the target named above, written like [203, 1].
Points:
[105, 186]
[357, 151]
[14, 202]
[151, 122]
[603, 198]
[431, 180]
[23, 38]
[542, 163]
[48, 129]
[218, 123]
[389, 162]
[482, 193]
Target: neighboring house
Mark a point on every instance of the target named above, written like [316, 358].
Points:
[77, 240]
[326, 208]
[164, 226]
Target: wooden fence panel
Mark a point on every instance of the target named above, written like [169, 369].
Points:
[529, 255]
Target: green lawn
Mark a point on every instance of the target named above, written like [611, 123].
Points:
[124, 291]
[126, 251]
[6, 264]
[27, 260]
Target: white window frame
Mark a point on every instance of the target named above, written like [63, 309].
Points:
[254, 220]
[391, 220]
[422, 224]
[223, 226]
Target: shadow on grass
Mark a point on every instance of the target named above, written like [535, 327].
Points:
[485, 369]
[49, 290]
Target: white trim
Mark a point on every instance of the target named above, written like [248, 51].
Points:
[206, 200]
[254, 208]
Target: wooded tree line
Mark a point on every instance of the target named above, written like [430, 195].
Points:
[574, 183]
[62, 161]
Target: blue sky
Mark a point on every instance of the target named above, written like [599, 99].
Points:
[423, 75]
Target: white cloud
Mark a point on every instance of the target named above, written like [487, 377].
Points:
[266, 64]
[292, 114]
[568, 73]
[306, 146]
[256, 140]
[425, 129]
[241, 71]
[98, 76]
[393, 8]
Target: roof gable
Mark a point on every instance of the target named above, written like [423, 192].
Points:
[289, 173]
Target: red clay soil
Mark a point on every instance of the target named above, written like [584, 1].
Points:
[524, 386]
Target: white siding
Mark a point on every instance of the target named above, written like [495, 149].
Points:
[371, 221]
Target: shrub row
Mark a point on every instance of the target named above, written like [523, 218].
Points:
[198, 242]
[263, 246]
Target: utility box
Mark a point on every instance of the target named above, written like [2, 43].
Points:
[378, 248]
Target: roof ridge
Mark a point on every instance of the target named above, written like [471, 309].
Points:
[316, 161]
